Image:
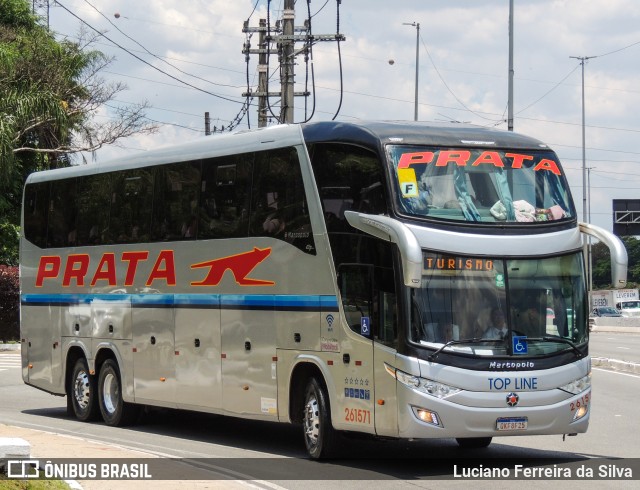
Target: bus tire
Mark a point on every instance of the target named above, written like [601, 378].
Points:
[473, 442]
[115, 411]
[319, 434]
[83, 394]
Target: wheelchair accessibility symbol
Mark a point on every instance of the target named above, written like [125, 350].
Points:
[520, 344]
[365, 327]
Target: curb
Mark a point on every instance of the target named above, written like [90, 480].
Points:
[610, 328]
[615, 365]
[6, 347]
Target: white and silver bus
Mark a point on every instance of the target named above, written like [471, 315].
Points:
[403, 280]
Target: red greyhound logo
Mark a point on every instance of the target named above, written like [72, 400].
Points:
[240, 266]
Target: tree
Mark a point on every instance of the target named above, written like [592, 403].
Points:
[50, 92]
[602, 263]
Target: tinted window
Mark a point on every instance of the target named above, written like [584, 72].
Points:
[224, 202]
[36, 201]
[131, 204]
[94, 195]
[278, 205]
[62, 230]
[348, 178]
[176, 202]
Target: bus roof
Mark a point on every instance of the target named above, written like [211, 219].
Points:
[205, 147]
[367, 133]
[371, 134]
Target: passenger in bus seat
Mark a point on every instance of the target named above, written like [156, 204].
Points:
[274, 224]
[190, 227]
[530, 320]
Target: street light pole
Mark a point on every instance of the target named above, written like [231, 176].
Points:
[510, 86]
[417, 26]
[585, 188]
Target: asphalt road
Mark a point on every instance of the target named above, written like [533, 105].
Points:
[621, 346]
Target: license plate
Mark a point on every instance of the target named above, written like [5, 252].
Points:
[511, 423]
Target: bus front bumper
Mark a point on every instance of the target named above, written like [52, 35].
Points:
[484, 414]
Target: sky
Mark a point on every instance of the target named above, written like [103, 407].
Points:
[463, 49]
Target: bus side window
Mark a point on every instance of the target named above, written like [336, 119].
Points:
[36, 199]
[224, 197]
[349, 178]
[93, 209]
[356, 288]
[131, 205]
[62, 214]
[278, 203]
[368, 294]
[176, 201]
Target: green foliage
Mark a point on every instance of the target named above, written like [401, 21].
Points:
[601, 259]
[50, 91]
[13, 484]
[9, 242]
[9, 303]
[16, 13]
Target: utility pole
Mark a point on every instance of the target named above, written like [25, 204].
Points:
[288, 60]
[207, 124]
[417, 26]
[41, 6]
[262, 74]
[510, 96]
[585, 188]
[283, 34]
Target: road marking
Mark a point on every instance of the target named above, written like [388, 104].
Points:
[8, 361]
[616, 372]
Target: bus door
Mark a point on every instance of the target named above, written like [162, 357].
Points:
[369, 301]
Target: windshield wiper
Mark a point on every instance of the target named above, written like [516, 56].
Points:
[562, 340]
[476, 340]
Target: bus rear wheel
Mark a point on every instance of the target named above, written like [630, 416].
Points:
[82, 392]
[319, 434]
[115, 411]
[473, 442]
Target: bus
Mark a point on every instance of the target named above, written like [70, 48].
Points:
[391, 279]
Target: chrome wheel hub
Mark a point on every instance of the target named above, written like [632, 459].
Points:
[81, 390]
[312, 421]
[110, 393]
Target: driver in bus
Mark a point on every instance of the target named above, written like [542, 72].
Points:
[497, 329]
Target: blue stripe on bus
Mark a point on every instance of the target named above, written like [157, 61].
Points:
[293, 302]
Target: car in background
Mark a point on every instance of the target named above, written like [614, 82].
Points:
[605, 311]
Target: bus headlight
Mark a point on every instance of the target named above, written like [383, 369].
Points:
[424, 385]
[578, 386]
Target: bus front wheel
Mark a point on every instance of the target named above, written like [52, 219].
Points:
[82, 392]
[319, 435]
[473, 442]
[115, 411]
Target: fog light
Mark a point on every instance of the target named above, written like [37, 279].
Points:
[581, 412]
[427, 416]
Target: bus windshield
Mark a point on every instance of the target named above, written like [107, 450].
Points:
[483, 304]
[480, 185]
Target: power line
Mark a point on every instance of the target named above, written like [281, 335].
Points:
[149, 52]
[142, 60]
[447, 85]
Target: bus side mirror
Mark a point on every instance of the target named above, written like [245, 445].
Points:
[619, 259]
[396, 232]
